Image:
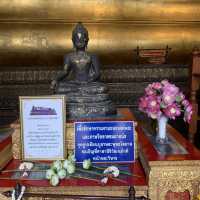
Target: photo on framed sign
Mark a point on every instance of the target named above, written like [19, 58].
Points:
[42, 121]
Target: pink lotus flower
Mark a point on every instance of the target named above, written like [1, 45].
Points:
[171, 88]
[168, 98]
[164, 82]
[188, 108]
[172, 111]
[181, 96]
[164, 98]
[156, 85]
[153, 102]
[142, 103]
[187, 116]
[150, 91]
[185, 103]
[154, 111]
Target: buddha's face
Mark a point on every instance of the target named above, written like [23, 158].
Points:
[79, 40]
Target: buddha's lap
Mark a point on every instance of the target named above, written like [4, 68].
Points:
[81, 87]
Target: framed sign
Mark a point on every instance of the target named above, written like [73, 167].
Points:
[105, 141]
[42, 127]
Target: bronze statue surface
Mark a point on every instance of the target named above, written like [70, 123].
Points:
[79, 81]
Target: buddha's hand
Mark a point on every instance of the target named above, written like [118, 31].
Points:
[91, 79]
[53, 84]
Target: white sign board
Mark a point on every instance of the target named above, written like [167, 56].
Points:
[42, 127]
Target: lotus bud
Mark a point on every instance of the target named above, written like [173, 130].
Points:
[62, 173]
[87, 164]
[66, 163]
[112, 170]
[104, 180]
[49, 173]
[71, 169]
[57, 165]
[54, 181]
[72, 158]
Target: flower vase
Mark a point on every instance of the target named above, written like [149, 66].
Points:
[161, 136]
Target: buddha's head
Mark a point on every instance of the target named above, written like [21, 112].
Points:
[80, 36]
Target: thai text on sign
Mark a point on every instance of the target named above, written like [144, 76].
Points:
[109, 141]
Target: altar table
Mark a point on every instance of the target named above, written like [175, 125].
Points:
[158, 173]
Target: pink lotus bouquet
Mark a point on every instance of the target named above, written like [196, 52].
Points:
[164, 98]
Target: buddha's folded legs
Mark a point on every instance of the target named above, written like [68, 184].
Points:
[90, 110]
[83, 87]
[86, 99]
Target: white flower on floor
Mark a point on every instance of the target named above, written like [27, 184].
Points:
[112, 170]
[87, 164]
[104, 180]
[26, 166]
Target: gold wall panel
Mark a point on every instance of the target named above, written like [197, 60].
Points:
[44, 44]
[150, 10]
[38, 32]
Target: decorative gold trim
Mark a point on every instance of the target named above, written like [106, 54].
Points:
[174, 175]
[176, 179]
[16, 141]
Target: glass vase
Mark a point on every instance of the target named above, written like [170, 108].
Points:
[161, 136]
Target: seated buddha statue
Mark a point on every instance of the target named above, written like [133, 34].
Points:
[85, 95]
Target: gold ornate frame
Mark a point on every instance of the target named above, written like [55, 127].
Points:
[27, 98]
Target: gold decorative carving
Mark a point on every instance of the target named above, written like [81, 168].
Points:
[163, 186]
[177, 176]
[16, 141]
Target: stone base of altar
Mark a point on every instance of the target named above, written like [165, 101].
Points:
[164, 170]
